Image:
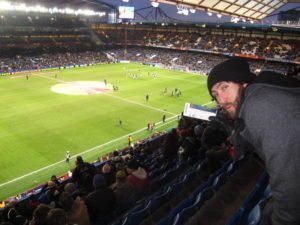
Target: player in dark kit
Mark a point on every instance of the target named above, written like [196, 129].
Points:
[164, 118]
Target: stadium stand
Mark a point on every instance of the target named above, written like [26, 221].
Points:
[196, 188]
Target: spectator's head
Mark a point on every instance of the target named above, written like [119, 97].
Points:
[198, 130]
[121, 177]
[106, 168]
[226, 83]
[70, 187]
[79, 160]
[66, 201]
[99, 181]
[115, 153]
[9, 214]
[53, 178]
[40, 214]
[132, 165]
[51, 185]
[57, 217]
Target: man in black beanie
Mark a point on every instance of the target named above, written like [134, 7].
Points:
[270, 112]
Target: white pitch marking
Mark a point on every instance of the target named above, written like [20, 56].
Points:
[84, 152]
[89, 150]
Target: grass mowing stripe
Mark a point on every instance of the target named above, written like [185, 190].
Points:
[171, 119]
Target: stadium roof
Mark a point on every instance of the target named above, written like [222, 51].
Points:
[249, 9]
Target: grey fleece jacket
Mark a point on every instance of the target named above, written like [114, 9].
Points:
[272, 125]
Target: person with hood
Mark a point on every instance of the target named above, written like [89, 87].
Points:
[263, 114]
[138, 176]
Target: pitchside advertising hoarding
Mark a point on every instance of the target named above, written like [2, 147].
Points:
[126, 12]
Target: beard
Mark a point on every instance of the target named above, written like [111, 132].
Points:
[236, 104]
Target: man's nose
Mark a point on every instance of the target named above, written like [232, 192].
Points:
[221, 99]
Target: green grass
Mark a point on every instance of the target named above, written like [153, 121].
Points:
[37, 126]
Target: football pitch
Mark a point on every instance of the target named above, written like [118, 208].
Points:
[44, 114]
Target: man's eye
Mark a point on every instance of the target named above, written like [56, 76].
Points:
[223, 88]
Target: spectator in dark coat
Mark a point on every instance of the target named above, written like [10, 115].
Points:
[124, 191]
[102, 201]
[83, 173]
[40, 214]
[171, 146]
[57, 217]
[108, 174]
[76, 210]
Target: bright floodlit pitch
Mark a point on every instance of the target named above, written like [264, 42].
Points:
[73, 110]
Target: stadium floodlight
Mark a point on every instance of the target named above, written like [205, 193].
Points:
[209, 13]
[155, 4]
[219, 15]
[22, 7]
[182, 10]
[234, 19]
[193, 11]
[125, 0]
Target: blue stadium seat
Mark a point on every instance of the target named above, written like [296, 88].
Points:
[234, 219]
[204, 195]
[219, 181]
[201, 166]
[254, 216]
[137, 216]
[175, 188]
[199, 189]
[267, 192]
[163, 221]
[251, 200]
[191, 175]
[180, 167]
[155, 184]
[158, 200]
[169, 176]
[184, 215]
[182, 205]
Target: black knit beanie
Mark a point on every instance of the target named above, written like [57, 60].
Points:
[235, 70]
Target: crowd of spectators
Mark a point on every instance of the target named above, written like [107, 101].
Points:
[263, 47]
[192, 61]
[174, 59]
[59, 57]
[98, 194]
